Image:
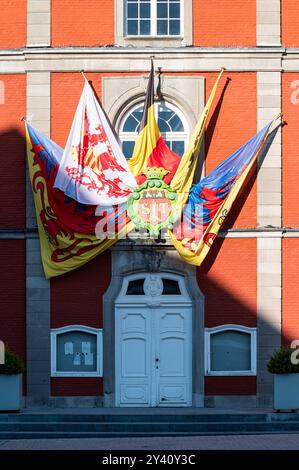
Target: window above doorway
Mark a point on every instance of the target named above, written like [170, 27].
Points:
[171, 122]
[169, 287]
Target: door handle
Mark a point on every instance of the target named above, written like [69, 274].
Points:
[157, 359]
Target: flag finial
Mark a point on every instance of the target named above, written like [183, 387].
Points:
[84, 76]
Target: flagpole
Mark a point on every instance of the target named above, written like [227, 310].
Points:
[84, 76]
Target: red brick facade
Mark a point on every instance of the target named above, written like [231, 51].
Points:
[228, 278]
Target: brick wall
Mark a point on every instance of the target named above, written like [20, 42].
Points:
[87, 23]
[76, 299]
[228, 281]
[230, 385]
[232, 123]
[13, 18]
[13, 296]
[290, 300]
[76, 386]
[12, 151]
[290, 23]
[66, 89]
[233, 120]
[224, 23]
[290, 108]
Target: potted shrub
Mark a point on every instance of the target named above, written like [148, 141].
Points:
[286, 379]
[11, 382]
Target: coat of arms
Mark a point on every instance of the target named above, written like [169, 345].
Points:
[152, 205]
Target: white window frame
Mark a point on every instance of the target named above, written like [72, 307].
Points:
[230, 327]
[153, 23]
[99, 357]
[173, 136]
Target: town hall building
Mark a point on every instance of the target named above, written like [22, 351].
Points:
[137, 326]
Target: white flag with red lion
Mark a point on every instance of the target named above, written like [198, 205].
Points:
[93, 169]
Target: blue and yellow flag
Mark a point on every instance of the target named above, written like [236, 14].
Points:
[211, 199]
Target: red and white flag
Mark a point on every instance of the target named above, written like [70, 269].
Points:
[93, 169]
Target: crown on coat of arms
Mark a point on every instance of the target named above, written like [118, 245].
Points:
[155, 172]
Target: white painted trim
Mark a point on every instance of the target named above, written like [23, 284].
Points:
[229, 327]
[86, 329]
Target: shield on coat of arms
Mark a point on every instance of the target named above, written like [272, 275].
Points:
[152, 205]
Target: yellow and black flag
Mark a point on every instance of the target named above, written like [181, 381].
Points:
[150, 148]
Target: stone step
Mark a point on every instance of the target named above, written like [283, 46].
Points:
[154, 418]
[129, 429]
[99, 435]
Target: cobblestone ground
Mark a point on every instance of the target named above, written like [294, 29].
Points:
[247, 442]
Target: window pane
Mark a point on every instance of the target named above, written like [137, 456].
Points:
[145, 10]
[162, 27]
[176, 124]
[178, 146]
[128, 147]
[132, 10]
[76, 352]
[131, 124]
[230, 350]
[163, 125]
[174, 27]
[171, 287]
[135, 287]
[162, 10]
[138, 113]
[132, 27]
[174, 10]
[145, 27]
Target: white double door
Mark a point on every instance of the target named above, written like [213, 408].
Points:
[153, 359]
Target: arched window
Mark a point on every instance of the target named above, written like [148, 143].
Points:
[171, 121]
[230, 350]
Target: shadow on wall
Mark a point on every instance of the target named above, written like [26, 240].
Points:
[12, 179]
[223, 303]
[240, 201]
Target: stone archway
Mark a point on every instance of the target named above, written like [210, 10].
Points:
[128, 259]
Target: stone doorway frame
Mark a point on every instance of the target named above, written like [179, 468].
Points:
[127, 260]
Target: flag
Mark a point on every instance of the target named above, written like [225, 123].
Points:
[150, 149]
[211, 199]
[67, 229]
[93, 169]
[183, 178]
